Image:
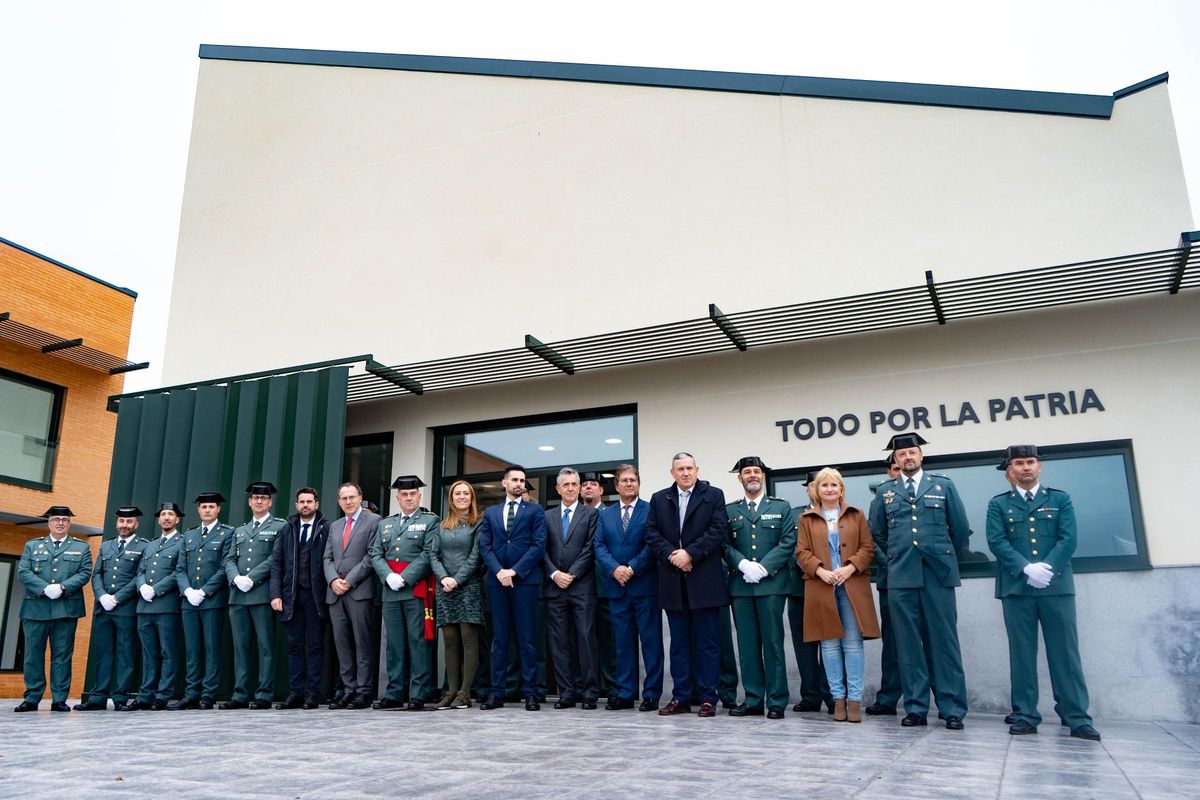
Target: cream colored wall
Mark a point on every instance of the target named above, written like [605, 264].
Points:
[1142, 358]
[380, 195]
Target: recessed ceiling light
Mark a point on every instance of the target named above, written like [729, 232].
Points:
[612, 441]
[545, 448]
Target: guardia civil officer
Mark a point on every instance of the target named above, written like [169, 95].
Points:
[200, 574]
[53, 569]
[400, 555]
[158, 612]
[758, 553]
[918, 520]
[114, 642]
[1031, 531]
[248, 568]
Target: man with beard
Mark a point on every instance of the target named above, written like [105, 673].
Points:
[158, 612]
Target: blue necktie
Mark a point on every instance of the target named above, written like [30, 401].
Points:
[566, 522]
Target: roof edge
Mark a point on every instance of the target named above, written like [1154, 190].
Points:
[1013, 100]
[1140, 85]
[69, 268]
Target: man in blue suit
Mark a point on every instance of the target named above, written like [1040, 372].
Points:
[686, 530]
[630, 582]
[512, 543]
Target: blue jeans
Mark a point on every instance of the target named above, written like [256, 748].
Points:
[845, 654]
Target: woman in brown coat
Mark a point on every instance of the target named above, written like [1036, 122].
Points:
[834, 550]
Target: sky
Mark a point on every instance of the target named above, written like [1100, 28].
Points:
[96, 99]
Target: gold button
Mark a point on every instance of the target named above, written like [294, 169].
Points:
[753, 536]
[914, 530]
[754, 558]
[914, 517]
[1034, 541]
[1031, 519]
[1035, 552]
[753, 547]
[914, 542]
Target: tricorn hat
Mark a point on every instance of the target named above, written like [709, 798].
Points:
[212, 497]
[169, 507]
[750, 461]
[127, 511]
[903, 440]
[262, 487]
[1016, 451]
[408, 482]
[58, 511]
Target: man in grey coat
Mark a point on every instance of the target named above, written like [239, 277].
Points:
[350, 596]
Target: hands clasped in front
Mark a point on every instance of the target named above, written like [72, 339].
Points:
[836, 577]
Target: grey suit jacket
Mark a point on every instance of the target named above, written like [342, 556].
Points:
[353, 563]
[575, 555]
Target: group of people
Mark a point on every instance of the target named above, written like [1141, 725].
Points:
[685, 553]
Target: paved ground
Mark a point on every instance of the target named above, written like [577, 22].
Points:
[235, 755]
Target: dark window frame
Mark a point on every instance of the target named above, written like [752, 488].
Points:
[978, 569]
[16, 595]
[365, 440]
[53, 439]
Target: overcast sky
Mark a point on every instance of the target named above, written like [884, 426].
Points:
[97, 96]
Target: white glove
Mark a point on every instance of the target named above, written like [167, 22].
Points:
[53, 591]
[752, 572]
[395, 582]
[243, 582]
[1038, 575]
[108, 601]
[194, 596]
[147, 592]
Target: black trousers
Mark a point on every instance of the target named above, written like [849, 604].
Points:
[306, 645]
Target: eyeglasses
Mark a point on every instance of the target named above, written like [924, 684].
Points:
[258, 498]
[60, 520]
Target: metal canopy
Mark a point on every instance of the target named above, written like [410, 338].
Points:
[72, 349]
[928, 303]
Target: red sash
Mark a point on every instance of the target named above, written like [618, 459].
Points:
[422, 590]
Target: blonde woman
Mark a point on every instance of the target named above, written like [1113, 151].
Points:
[834, 550]
[454, 558]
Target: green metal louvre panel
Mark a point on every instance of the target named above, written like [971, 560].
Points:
[287, 429]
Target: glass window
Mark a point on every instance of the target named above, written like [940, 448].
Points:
[12, 594]
[367, 461]
[1099, 477]
[29, 423]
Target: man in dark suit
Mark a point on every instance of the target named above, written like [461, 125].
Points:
[571, 594]
[630, 582]
[512, 543]
[298, 597]
[686, 530]
[350, 595]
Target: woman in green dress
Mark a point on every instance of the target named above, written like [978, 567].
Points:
[454, 557]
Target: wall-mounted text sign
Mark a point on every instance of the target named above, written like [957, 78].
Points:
[946, 415]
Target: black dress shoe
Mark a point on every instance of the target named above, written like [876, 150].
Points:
[206, 704]
[617, 704]
[708, 709]
[1086, 732]
[807, 705]
[674, 707]
[775, 712]
[878, 709]
[1010, 719]
[912, 720]
[119, 706]
[744, 710]
[358, 702]
[184, 704]
[419, 705]
[291, 701]
[647, 705]
[141, 705]
[387, 704]
[339, 702]
[490, 703]
[158, 705]
[310, 701]
[261, 705]
[954, 723]
[532, 704]
[1022, 728]
[563, 703]
[24, 706]
[731, 704]
[232, 705]
[60, 706]
[91, 705]
[588, 705]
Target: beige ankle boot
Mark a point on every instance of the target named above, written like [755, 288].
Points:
[839, 710]
[853, 711]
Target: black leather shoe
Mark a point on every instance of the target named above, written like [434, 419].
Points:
[913, 720]
[158, 705]
[954, 723]
[807, 705]
[744, 710]
[232, 705]
[387, 704]
[829, 706]
[419, 705]
[562, 703]
[119, 706]
[141, 705]
[131, 706]
[532, 704]
[647, 705]
[291, 701]
[878, 709]
[206, 704]
[339, 701]
[775, 712]
[1086, 732]
[490, 703]
[1010, 719]
[1022, 728]
[588, 705]
[358, 702]
[184, 704]
[310, 701]
[617, 704]
[60, 706]
[261, 705]
[24, 706]
[91, 705]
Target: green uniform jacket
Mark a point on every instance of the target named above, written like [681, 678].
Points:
[158, 570]
[40, 566]
[249, 553]
[202, 566]
[932, 529]
[1020, 533]
[768, 537]
[396, 542]
[118, 576]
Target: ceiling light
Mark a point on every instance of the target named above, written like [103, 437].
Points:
[612, 441]
[545, 448]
